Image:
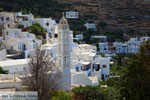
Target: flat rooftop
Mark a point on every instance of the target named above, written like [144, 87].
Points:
[94, 79]
[13, 62]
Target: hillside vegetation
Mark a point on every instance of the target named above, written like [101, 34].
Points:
[43, 8]
[132, 17]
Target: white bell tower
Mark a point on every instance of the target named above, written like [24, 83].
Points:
[64, 52]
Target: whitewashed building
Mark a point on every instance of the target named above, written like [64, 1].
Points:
[79, 37]
[14, 66]
[118, 46]
[121, 47]
[100, 38]
[28, 20]
[103, 47]
[24, 19]
[15, 40]
[72, 14]
[7, 20]
[47, 23]
[131, 46]
[90, 26]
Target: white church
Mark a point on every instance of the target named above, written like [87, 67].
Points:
[79, 63]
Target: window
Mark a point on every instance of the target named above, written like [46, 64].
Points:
[6, 33]
[2, 19]
[11, 47]
[18, 46]
[50, 34]
[25, 19]
[75, 14]
[67, 13]
[98, 67]
[56, 35]
[65, 62]
[102, 76]
[89, 74]
[77, 69]
[28, 35]
[93, 68]
[24, 69]
[47, 24]
[24, 47]
[7, 18]
[107, 76]
[51, 54]
[104, 66]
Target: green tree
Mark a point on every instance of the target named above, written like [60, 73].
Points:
[21, 27]
[87, 36]
[1, 9]
[112, 36]
[137, 77]
[112, 93]
[95, 93]
[102, 25]
[25, 12]
[3, 71]
[89, 93]
[37, 29]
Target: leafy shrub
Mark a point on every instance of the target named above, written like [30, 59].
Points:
[62, 95]
[37, 29]
[3, 71]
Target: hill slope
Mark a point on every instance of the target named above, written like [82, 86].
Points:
[123, 14]
[44, 8]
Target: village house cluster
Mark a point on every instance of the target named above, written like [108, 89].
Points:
[130, 46]
[80, 63]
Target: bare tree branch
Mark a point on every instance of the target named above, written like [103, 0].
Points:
[42, 74]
